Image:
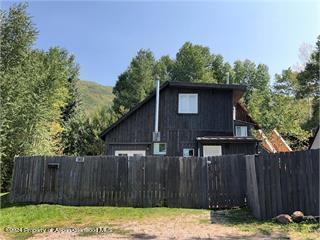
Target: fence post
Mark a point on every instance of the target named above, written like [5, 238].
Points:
[12, 196]
[252, 186]
[204, 162]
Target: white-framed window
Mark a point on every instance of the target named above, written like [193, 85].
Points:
[212, 150]
[159, 148]
[130, 153]
[241, 131]
[188, 152]
[188, 103]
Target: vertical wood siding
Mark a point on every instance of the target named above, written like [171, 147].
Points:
[214, 118]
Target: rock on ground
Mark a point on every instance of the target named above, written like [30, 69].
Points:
[297, 216]
[283, 219]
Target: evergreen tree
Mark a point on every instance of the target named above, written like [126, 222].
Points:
[309, 79]
[82, 134]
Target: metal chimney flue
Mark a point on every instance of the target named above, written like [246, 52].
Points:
[156, 133]
[228, 78]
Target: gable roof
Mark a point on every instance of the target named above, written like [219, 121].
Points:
[240, 89]
[243, 114]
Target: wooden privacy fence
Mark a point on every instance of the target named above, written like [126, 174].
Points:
[269, 183]
[113, 181]
[134, 181]
[283, 183]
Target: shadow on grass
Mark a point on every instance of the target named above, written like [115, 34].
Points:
[242, 219]
[240, 216]
[233, 216]
[5, 202]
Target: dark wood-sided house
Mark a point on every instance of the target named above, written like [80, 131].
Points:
[185, 119]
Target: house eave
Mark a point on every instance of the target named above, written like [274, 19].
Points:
[226, 139]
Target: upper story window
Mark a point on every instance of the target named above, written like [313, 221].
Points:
[241, 131]
[188, 103]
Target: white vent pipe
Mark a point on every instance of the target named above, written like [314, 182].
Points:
[156, 123]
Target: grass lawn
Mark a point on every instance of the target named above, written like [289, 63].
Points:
[45, 215]
[242, 219]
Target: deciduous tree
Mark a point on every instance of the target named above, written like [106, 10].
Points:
[286, 82]
[135, 83]
[193, 64]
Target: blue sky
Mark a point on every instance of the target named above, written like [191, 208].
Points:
[105, 35]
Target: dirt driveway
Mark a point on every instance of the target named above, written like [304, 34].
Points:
[185, 226]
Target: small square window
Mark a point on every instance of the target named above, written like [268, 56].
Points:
[241, 131]
[159, 148]
[188, 103]
[188, 152]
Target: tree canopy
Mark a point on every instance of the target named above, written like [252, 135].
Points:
[285, 105]
[38, 93]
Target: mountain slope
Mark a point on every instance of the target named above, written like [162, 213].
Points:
[94, 96]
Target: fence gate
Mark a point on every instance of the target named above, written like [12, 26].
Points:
[226, 181]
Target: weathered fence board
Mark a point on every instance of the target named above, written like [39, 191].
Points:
[285, 182]
[226, 181]
[252, 185]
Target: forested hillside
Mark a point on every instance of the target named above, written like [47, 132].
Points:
[94, 96]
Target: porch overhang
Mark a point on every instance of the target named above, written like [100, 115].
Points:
[226, 139]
